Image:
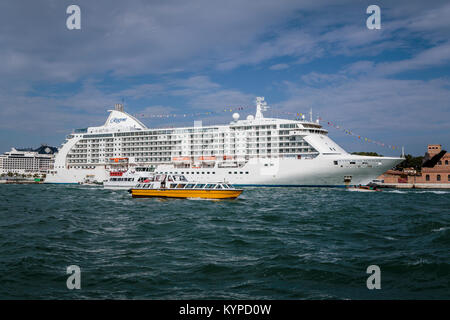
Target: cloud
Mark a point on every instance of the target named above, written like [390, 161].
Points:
[321, 78]
[435, 56]
[279, 66]
[202, 55]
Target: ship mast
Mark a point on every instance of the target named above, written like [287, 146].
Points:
[261, 106]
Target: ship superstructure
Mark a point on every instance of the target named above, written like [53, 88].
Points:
[255, 151]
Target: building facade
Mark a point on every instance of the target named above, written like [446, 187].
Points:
[435, 171]
[27, 161]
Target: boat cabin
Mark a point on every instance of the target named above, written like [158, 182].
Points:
[178, 181]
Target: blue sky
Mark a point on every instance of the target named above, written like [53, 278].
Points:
[391, 85]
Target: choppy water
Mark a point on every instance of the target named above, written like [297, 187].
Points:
[272, 243]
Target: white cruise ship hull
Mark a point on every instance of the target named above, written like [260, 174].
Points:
[320, 171]
[254, 152]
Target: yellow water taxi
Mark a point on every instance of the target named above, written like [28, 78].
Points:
[177, 186]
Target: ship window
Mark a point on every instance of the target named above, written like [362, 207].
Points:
[427, 177]
[213, 172]
[200, 186]
[181, 185]
[438, 177]
[229, 172]
[246, 172]
[241, 172]
[210, 186]
[190, 185]
[235, 172]
[225, 186]
[352, 162]
[219, 186]
[335, 163]
[173, 185]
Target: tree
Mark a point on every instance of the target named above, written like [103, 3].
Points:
[410, 162]
[371, 154]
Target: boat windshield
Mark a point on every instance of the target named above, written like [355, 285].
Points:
[179, 178]
[200, 186]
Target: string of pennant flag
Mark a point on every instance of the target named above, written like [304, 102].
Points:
[361, 138]
[297, 115]
[184, 115]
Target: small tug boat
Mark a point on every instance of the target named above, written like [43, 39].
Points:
[177, 186]
[368, 188]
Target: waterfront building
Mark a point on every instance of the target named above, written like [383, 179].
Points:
[27, 161]
[435, 172]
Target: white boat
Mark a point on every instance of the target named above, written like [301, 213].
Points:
[126, 180]
[363, 189]
[257, 151]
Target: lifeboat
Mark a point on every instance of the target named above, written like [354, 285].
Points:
[203, 158]
[177, 186]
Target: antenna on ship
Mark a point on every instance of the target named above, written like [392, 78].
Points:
[310, 115]
[261, 106]
[403, 152]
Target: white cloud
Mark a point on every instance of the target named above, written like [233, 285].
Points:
[279, 66]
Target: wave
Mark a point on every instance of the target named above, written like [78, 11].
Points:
[440, 229]
[397, 191]
[434, 191]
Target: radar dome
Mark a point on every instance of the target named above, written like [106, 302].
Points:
[236, 116]
[250, 117]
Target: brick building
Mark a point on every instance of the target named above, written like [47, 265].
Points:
[435, 171]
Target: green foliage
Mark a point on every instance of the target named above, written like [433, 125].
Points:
[372, 154]
[410, 162]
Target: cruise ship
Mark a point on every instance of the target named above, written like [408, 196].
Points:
[255, 151]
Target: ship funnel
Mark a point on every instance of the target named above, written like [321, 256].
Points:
[118, 107]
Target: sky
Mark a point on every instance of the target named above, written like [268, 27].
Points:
[391, 85]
